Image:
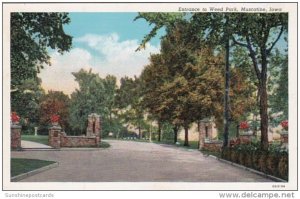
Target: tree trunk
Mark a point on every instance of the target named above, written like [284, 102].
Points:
[198, 127]
[150, 133]
[264, 105]
[237, 130]
[186, 136]
[159, 131]
[226, 103]
[175, 130]
[140, 133]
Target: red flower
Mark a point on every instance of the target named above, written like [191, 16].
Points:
[285, 124]
[54, 118]
[244, 125]
[14, 117]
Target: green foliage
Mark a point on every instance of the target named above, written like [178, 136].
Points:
[278, 87]
[104, 144]
[55, 102]
[31, 35]
[159, 20]
[25, 101]
[274, 161]
[186, 82]
[128, 101]
[95, 95]
[258, 33]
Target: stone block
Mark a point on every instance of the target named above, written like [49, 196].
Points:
[15, 141]
[214, 146]
[55, 136]
[79, 141]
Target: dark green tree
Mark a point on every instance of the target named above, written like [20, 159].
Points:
[278, 86]
[256, 32]
[31, 36]
[128, 100]
[95, 95]
[25, 101]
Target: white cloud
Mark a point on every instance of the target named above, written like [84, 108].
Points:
[117, 57]
[59, 76]
[112, 56]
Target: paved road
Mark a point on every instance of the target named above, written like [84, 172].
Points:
[127, 161]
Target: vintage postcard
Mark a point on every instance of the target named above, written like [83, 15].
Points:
[150, 96]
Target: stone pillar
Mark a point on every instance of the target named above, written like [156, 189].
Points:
[55, 136]
[93, 128]
[15, 138]
[205, 132]
[98, 135]
[201, 135]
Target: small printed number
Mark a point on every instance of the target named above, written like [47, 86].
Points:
[278, 186]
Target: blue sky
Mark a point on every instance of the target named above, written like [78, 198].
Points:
[107, 22]
[104, 42]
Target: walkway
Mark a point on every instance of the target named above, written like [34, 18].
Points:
[34, 145]
[128, 161]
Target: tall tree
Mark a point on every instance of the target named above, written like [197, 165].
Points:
[278, 86]
[31, 35]
[128, 100]
[185, 82]
[95, 95]
[54, 102]
[259, 33]
[25, 101]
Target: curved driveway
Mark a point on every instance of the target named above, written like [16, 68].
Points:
[128, 161]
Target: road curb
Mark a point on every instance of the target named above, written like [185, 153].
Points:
[249, 169]
[33, 172]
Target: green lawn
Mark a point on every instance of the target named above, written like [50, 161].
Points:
[20, 165]
[43, 139]
[104, 144]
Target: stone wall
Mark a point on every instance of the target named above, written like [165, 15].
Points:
[79, 141]
[58, 139]
[214, 146]
[15, 137]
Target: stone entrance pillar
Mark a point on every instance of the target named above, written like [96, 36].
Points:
[93, 128]
[54, 136]
[205, 132]
[15, 137]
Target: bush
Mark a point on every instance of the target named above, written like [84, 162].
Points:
[273, 162]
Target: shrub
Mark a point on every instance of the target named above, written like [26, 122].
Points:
[273, 162]
[283, 166]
